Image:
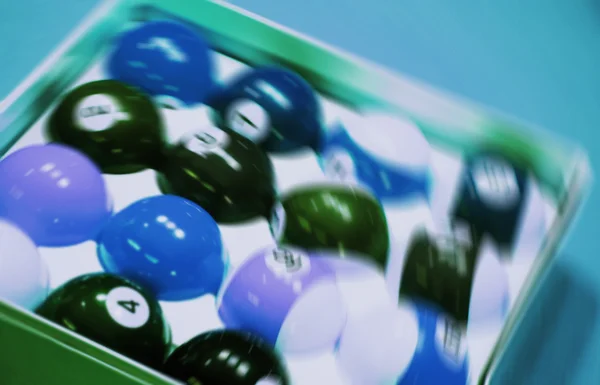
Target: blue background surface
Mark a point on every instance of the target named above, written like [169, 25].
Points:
[536, 59]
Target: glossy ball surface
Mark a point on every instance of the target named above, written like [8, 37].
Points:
[55, 194]
[24, 279]
[113, 312]
[226, 357]
[339, 218]
[115, 125]
[166, 243]
[224, 173]
[461, 276]
[387, 154]
[277, 293]
[164, 59]
[271, 106]
[441, 355]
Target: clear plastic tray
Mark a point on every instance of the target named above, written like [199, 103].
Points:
[346, 84]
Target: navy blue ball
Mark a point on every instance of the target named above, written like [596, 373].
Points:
[491, 197]
[271, 106]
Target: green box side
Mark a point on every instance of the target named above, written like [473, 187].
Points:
[37, 352]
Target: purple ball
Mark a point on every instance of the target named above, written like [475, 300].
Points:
[54, 194]
[287, 297]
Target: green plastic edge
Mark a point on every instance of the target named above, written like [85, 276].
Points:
[38, 352]
[562, 168]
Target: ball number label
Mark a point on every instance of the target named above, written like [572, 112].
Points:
[451, 340]
[131, 306]
[206, 141]
[248, 119]
[127, 307]
[339, 166]
[98, 113]
[287, 261]
[290, 260]
[452, 255]
[211, 141]
[495, 182]
[88, 112]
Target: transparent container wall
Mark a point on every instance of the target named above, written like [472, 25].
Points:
[36, 352]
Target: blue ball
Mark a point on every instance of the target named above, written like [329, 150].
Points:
[167, 244]
[271, 106]
[441, 354]
[385, 154]
[164, 59]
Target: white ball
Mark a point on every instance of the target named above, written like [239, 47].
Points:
[481, 340]
[376, 349]
[321, 306]
[446, 171]
[533, 224]
[362, 285]
[390, 139]
[490, 294]
[24, 278]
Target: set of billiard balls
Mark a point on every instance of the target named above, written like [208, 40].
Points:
[290, 296]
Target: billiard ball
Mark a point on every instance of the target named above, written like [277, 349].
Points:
[226, 357]
[440, 355]
[115, 125]
[362, 284]
[387, 154]
[340, 218]
[113, 312]
[377, 347]
[275, 294]
[271, 106]
[532, 230]
[223, 172]
[163, 58]
[167, 244]
[24, 278]
[55, 194]
[462, 276]
[493, 197]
